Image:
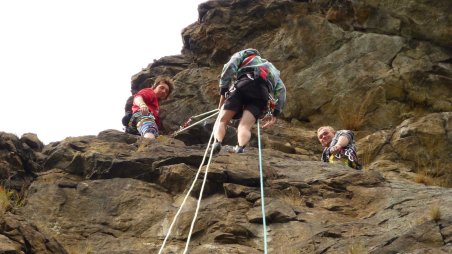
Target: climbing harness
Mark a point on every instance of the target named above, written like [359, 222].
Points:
[187, 125]
[271, 105]
[262, 186]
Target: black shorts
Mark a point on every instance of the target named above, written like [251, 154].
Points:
[251, 95]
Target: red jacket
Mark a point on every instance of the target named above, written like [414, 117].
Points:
[151, 101]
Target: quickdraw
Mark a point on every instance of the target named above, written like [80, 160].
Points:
[271, 105]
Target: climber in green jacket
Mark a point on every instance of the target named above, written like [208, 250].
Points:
[249, 97]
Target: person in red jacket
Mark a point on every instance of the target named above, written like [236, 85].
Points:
[145, 108]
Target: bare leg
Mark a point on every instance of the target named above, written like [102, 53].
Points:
[225, 117]
[244, 130]
[149, 135]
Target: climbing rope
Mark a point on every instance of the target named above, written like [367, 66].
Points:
[202, 190]
[205, 113]
[188, 193]
[262, 186]
[200, 193]
[200, 121]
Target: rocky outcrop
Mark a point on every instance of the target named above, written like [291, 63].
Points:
[18, 235]
[19, 159]
[330, 53]
[417, 145]
[380, 68]
[367, 50]
[129, 201]
[369, 66]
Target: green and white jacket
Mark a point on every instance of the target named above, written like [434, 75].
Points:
[250, 61]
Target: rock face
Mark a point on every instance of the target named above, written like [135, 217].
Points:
[329, 55]
[380, 68]
[19, 159]
[124, 197]
[421, 144]
[367, 66]
[20, 236]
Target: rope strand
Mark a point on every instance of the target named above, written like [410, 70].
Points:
[199, 202]
[205, 113]
[188, 193]
[215, 126]
[179, 131]
[262, 186]
[202, 190]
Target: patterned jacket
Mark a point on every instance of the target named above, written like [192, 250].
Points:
[348, 153]
[250, 61]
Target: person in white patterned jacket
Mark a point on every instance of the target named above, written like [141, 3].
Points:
[339, 146]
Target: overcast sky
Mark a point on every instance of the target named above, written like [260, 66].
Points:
[66, 65]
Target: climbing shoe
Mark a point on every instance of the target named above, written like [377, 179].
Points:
[239, 149]
[216, 147]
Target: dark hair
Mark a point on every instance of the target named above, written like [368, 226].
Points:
[165, 80]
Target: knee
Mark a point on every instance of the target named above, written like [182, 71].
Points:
[243, 127]
[149, 135]
[224, 121]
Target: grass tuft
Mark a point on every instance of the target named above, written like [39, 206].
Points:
[356, 247]
[435, 212]
[433, 173]
[81, 249]
[5, 200]
[423, 178]
[292, 196]
[354, 116]
[366, 157]
[10, 199]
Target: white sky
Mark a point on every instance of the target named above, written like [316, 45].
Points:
[66, 65]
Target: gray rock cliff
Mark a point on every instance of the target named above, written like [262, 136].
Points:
[380, 68]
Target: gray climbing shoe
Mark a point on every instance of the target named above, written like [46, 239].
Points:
[239, 149]
[216, 147]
